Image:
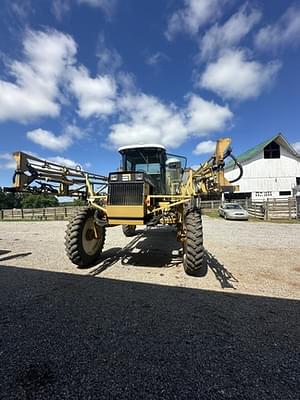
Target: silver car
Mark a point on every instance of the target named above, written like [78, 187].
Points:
[233, 211]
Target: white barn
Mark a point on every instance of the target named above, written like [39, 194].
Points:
[271, 170]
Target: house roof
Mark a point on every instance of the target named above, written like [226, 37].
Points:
[279, 138]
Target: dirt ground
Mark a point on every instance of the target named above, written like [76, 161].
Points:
[136, 327]
[241, 257]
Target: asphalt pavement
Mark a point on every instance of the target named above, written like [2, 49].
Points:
[65, 336]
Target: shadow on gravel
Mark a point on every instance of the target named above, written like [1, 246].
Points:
[66, 336]
[12, 256]
[4, 252]
[225, 277]
[157, 248]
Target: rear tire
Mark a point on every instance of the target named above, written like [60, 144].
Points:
[83, 248]
[129, 230]
[193, 248]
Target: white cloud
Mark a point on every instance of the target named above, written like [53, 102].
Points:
[285, 32]
[232, 76]
[126, 82]
[297, 146]
[34, 91]
[230, 34]
[106, 5]
[54, 142]
[64, 161]
[193, 15]
[205, 147]
[49, 140]
[109, 60]
[74, 132]
[145, 119]
[96, 96]
[156, 58]
[48, 72]
[60, 7]
[20, 8]
[204, 117]
[7, 161]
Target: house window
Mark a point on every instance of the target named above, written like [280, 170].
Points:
[285, 193]
[298, 180]
[272, 150]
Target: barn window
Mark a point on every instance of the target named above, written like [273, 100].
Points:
[285, 193]
[272, 150]
[298, 180]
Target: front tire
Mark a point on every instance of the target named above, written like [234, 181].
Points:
[129, 230]
[193, 247]
[84, 239]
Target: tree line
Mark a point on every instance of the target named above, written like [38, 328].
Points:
[26, 200]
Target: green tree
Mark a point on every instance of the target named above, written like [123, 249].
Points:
[78, 202]
[10, 200]
[39, 201]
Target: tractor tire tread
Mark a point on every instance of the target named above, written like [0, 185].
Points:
[194, 250]
[73, 245]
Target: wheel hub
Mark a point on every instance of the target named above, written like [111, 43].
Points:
[90, 234]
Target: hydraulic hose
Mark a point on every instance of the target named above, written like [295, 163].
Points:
[236, 163]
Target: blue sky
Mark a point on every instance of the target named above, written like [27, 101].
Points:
[79, 78]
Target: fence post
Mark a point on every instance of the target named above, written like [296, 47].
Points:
[22, 213]
[290, 208]
[2, 214]
[66, 212]
[267, 210]
[212, 204]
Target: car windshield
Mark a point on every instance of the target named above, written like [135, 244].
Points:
[233, 207]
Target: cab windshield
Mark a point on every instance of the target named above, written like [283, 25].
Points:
[150, 160]
[151, 168]
[143, 160]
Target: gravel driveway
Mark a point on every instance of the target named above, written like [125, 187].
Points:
[136, 327]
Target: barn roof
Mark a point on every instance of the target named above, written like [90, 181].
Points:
[249, 154]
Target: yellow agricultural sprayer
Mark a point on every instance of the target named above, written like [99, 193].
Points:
[152, 187]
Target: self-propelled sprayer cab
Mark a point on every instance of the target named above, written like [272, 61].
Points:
[161, 169]
[148, 161]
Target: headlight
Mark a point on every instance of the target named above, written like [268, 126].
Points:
[126, 177]
[139, 177]
[114, 177]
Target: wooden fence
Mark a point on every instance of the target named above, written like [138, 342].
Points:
[214, 204]
[270, 209]
[42, 214]
[273, 209]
